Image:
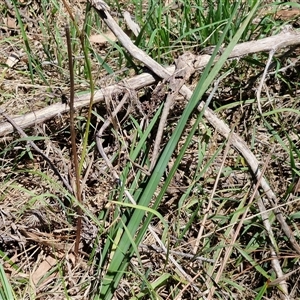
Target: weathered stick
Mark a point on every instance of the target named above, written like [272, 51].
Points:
[282, 40]
[264, 45]
[54, 110]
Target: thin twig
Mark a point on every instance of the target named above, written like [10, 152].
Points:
[81, 35]
[283, 278]
[258, 93]
[73, 141]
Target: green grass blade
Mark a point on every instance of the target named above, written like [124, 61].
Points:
[6, 291]
[262, 291]
[117, 266]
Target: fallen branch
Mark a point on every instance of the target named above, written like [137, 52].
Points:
[54, 110]
[287, 39]
[281, 40]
